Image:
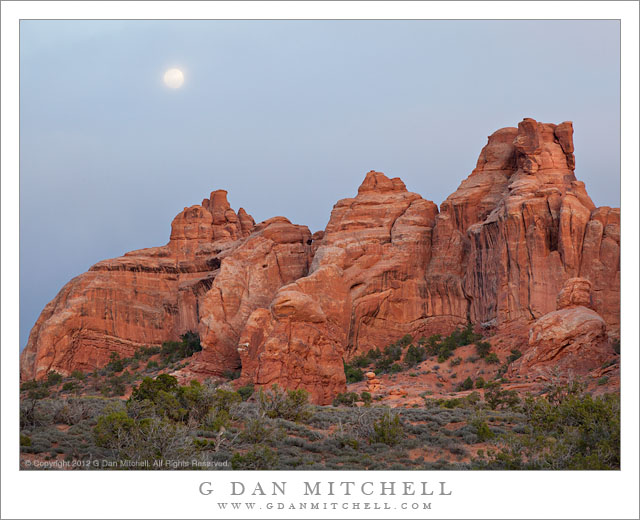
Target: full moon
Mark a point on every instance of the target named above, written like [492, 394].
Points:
[173, 78]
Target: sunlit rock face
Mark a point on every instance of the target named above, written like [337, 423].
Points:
[518, 242]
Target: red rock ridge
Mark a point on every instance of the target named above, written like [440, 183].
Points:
[518, 236]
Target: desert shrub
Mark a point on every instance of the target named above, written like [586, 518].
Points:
[567, 430]
[259, 430]
[387, 430]
[225, 399]
[292, 405]
[374, 353]
[257, 458]
[360, 361]
[353, 374]
[245, 392]
[71, 411]
[497, 398]
[381, 427]
[394, 351]
[78, 374]
[405, 340]
[189, 344]
[69, 386]
[152, 365]
[115, 363]
[232, 374]
[29, 385]
[455, 361]
[491, 358]
[25, 440]
[112, 430]
[113, 386]
[366, 398]
[395, 368]
[603, 381]
[480, 382]
[144, 353]
[483, 348]
[149, 387]
[467, 384]
[53, 378]
[346, 399]
[414, 355]
[146, 439]
[481, 429]
[31, 414]
[515, 354]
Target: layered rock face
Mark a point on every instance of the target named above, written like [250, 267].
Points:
[275, 254]
[142, 298]
[519, 226]
[517, 236]
[571, 340]
[365, 288]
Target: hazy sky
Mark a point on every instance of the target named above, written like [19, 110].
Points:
[288, 116]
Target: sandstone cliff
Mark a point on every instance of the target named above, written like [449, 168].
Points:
[287, 307]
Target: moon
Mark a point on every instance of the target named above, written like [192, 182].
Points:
[173, 78]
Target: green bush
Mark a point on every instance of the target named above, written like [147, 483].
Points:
[232, 374]
[374, 353]
[480, 382]
[482, 429]
[366, 398]
[388, 429]
[225, 399]
[69, 386]
[346, 399]
[152, 364]
[149, 388]
[78, 374]
[353, 374]
[245, 392]
[395, 368]
[189, 344]
[414, 355]
[25, 440]
[572, 430]
[53, 378]
[483, 348]
[112, 429]
[259, 430]
[360, 361]
[257, 458]
[144, 353]
[405, 340]
[467, 384]
[394, 351]
[515, 354]
[491, 358]
[29, 385]
[115, 363]
[292, 405]
[497, 398]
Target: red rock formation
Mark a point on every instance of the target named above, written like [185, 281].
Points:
[570, 341]
[142, 298]
[518, 234]
[275, 254]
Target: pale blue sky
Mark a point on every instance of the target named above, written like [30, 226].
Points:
[288, 116]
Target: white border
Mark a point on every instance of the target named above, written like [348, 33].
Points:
[174, 494]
